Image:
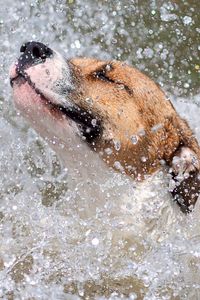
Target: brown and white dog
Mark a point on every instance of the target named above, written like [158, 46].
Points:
[106, 109]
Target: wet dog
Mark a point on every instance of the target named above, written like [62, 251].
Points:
[113, 111]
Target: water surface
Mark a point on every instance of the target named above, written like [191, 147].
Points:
[47, 249]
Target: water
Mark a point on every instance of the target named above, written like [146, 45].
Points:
[49, 248]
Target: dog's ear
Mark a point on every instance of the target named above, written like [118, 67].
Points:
[186, 191]
[185, 181]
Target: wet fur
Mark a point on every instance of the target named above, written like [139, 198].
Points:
[131, 104]
[115, 109]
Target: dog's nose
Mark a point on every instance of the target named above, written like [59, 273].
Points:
[33, 53]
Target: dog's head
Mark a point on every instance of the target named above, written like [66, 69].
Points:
[116, 110]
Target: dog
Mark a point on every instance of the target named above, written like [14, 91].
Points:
[113, 111]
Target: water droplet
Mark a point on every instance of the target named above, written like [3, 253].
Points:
[121, 86]
[108, 151]
[187, 20]
[114, 41]
[141, 132]
[156, 127]
[89, 101]
[77, 44]
[117, 145]
[118, 166]
[108, 68]
[95, 242]
[143, 159]
[87, 232]
[94, 122]
[186, 85]
[134, 139]
[133, 296]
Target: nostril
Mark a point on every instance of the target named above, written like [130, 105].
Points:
[39, 51]
[33, 53]
[36, 53]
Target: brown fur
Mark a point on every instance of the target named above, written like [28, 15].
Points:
[121, 113]
[129, 103]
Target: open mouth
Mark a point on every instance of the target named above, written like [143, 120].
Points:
[89, 125]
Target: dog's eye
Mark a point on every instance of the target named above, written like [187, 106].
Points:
[102, 73]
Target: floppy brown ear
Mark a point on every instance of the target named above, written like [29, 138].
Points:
[185, 183]
[186, 192]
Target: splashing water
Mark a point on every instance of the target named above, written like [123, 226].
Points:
[134, 242]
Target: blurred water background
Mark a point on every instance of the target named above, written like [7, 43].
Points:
[47, 250]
